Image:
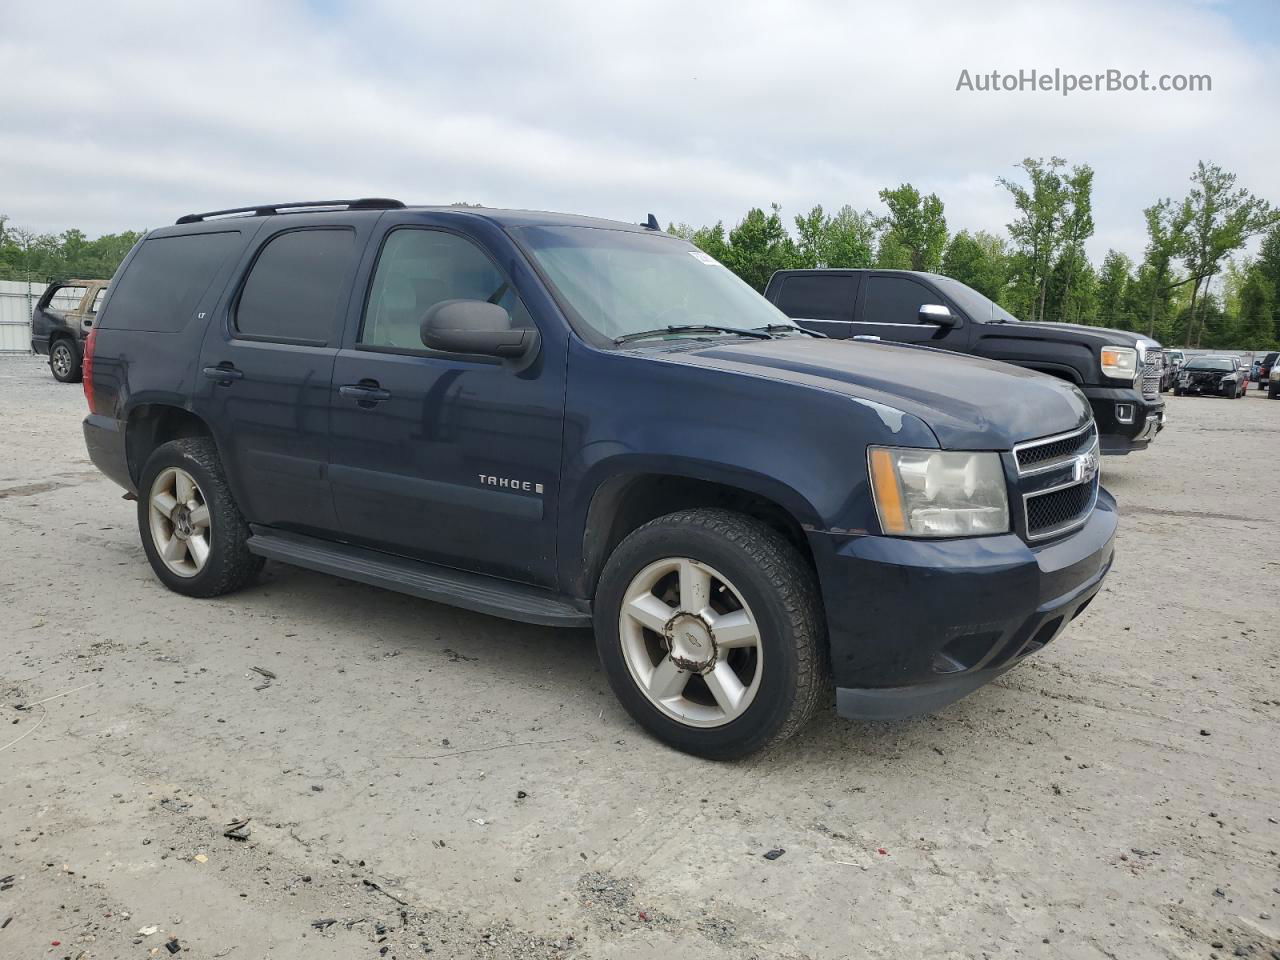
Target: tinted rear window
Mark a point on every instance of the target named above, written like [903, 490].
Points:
[827, 297]
[166, 279]
[297, 286]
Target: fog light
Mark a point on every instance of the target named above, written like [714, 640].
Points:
[1124, 412]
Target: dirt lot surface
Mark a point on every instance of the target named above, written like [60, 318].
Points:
[424, 781]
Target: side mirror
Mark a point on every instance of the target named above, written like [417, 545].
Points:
[937, 314]
[478, 327]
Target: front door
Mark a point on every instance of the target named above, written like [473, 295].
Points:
[889, 308]
[448, 458]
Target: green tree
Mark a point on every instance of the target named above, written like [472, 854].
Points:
[1255, 323]
[1113, 291]
[892, 254]
[844, 240]
[917, 225]
[1223, 218]
[1054, 211]
[978, 260]
[758, 246]
[1269, 266]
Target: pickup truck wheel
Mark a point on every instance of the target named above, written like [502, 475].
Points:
[192, 531]
[709, 627]
[64, 360]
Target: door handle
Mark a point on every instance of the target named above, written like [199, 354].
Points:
[366, 392]
[223, 374]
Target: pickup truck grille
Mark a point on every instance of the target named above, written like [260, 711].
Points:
[1058, 482]
[1152, 370]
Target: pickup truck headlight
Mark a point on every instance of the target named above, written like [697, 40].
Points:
[938, 493]
[1119, 363]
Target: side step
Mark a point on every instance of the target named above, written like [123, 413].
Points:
[471, 591]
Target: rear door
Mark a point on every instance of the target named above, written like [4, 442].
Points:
[889, 307]
[819, 301]
[448, 458]
[267, 362]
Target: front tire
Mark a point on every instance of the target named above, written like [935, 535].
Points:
[64, 361]
[709, 627]
[191, 529]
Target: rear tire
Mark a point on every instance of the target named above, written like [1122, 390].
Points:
[709, 627]
[65, 360]
[191, 529]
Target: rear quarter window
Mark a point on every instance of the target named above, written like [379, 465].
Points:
[165, 281]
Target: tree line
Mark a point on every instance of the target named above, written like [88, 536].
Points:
[42, 257]
[1190, 289]
[1038, 270]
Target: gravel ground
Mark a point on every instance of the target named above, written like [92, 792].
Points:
[420, 779]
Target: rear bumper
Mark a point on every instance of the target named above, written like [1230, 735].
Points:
[915, 625]
[1126, 421]
[104, 439]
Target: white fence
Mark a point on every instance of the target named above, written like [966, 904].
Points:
[17, 300]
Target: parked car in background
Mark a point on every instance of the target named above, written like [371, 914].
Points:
[1173, 361]
[59, 332]
[1118, 371]
[1222, 376]
[1265, 367]
[578, 422]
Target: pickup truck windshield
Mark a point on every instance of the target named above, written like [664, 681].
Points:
[980, 308]
[620, 283]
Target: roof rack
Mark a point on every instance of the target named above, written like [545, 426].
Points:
[271, 209]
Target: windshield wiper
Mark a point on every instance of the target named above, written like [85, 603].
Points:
[794, 327]
[693, 328]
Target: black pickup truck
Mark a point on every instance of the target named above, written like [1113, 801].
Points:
[1118, 371]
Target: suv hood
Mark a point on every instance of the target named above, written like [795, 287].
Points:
[969, 403]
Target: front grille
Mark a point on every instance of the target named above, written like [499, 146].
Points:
[1038, 453]
[1152, 371]
[1060, 509]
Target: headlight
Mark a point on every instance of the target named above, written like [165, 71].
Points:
[1119, 363]
[937, 493]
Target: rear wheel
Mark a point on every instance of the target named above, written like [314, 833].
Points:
[192, 531]
[64, 360]
[709, 627]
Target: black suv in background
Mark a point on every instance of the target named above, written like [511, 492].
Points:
[1119, 372]
[577, 422]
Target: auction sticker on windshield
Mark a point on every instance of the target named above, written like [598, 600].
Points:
[704, 258]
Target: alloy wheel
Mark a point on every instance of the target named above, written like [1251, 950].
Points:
[690, 642]
[179, 520]
[62, 360]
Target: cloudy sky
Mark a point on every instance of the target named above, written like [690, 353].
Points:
[125, 115]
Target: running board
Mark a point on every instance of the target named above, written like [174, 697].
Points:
[471, 591]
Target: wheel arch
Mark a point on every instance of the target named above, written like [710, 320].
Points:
[151, 424]
[626, 500]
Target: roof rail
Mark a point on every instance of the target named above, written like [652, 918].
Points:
[271, 209]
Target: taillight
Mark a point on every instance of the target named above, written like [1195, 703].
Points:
[86, 368]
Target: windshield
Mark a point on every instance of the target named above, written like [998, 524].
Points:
[980, 308]
[1210, 363]
[621, 282]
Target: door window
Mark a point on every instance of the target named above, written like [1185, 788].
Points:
[419, 268]
[297, 286]
[895, 300]
[819, 296]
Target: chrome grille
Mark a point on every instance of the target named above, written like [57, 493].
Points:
[1058, 480]
[1152, 371]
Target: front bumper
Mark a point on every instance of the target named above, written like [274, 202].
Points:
[915, 625]
[1126, 420]
[1213, 388]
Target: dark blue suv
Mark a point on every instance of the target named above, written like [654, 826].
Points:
[578, 422]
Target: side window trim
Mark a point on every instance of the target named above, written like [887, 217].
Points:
[424, 351]
[233, 308]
